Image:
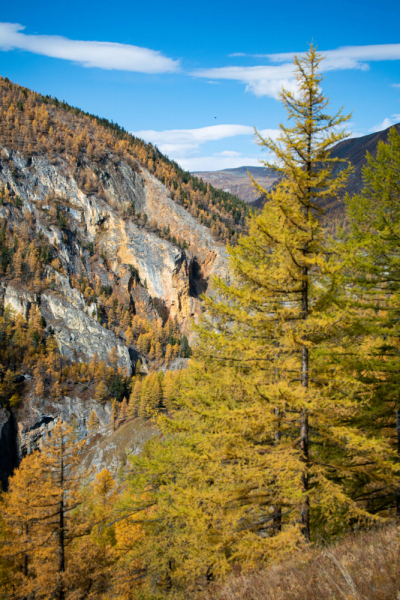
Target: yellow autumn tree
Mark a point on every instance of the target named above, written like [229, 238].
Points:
[53, 544]
[134, 398]
[39, 516]
[93, 422]
[263, 454]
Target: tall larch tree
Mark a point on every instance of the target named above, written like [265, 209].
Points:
[371, 246]
[39, 514]
[264, 451]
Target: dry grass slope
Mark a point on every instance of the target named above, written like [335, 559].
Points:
[365, 566]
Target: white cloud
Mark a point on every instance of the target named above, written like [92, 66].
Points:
[104, 55]
[267, 80]
[182, 143]
[388, 122]
[396, 85]
[228, 153]
[200, 135]
[348, 57]
[262, 80]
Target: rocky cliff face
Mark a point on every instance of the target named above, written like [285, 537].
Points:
[94, 236]
[173, 275]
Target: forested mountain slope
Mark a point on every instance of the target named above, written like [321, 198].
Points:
[105, 248]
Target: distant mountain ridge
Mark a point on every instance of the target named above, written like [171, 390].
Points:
[354, 150]
[236, 181]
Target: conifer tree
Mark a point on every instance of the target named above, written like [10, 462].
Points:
[158, 353]
[53, 544]
[372, 275]
[39, 388]
[129, 336]
[113, 358]
[56, 391]
[17, 264]
[155, 394]
[38, 512]
[265, 450]
[145, 399]
[134, 399]
[93, 364]
[123, 410]
[170, 386]
[114, 414]
[101, 394]
[168, 354]
[93, 422]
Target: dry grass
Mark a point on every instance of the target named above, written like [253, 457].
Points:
[365, 566]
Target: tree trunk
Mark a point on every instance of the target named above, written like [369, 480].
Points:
[277, 514]
[26, 558]
[305, 509]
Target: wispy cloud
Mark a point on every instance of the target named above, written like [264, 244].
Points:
[388, 122]
[267, 80]
[228, 153]
[347, 57]
[262, 80]
[178, 143]
[104, 55]
[183, 145]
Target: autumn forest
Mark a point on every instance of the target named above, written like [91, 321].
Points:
[268, 389]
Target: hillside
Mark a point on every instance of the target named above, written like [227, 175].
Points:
[363, 566]
[353, 150]
[105, 249]
[237, 180]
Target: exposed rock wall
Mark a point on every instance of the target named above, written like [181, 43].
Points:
[37, 416]
[78, 333]
[9, 457]
[171, 274]
[102, 243]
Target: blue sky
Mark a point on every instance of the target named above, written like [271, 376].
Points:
[195, 78]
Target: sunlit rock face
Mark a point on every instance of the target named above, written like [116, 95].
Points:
[154, 275]
[177, 277]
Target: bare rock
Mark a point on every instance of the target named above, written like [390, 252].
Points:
[112, 449]
[8, 446]
[80, 336]
[19, 299]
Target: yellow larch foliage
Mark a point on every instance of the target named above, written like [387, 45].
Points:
[264, 452]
